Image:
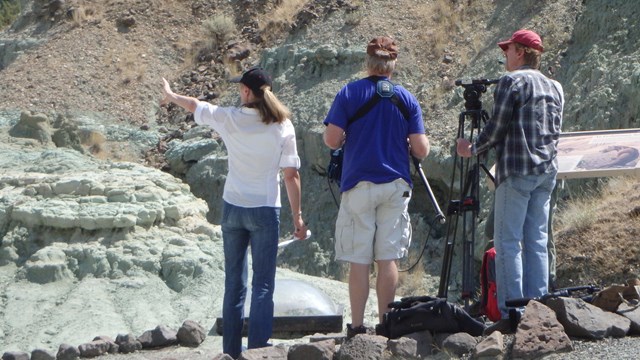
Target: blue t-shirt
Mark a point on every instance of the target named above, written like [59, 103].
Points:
[376, 147]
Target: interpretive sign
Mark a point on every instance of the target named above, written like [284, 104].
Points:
[604, 153]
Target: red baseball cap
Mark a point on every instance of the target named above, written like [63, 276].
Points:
[524, 37]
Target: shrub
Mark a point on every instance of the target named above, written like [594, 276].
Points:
[9, 11]
[219, 29]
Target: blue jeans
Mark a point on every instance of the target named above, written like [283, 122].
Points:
[241, 227]
[520, 224]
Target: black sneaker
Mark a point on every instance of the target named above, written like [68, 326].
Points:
[351, 332]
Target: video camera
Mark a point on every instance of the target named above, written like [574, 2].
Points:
[473, 89]
[472, 82]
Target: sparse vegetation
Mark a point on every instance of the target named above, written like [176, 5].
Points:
[129, 64]
[353, 18]
[578, 214]
[82, 11]
[218, 30]
[412, 283]
[596, 235]
[9, 11]
[281, 18]
[448, 20]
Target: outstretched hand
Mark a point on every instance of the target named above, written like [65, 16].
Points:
[166, 92]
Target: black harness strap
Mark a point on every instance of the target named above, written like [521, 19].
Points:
[383, 90]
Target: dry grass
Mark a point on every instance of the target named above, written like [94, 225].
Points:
[578, 215]
[218, 30]
[447, 20]
[412, 283]
[409, 283]
[131, 67]
[281, 17]
[9, 11]
[86, 11]
[353, 18]
[452, 27]
[586, 210]
[596, 236]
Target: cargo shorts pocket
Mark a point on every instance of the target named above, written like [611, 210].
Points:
[405, 240]
[344, 238]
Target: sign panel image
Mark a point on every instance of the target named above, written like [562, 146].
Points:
[599, 154]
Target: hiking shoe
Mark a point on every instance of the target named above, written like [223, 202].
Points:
[351, 332]
[504, 326]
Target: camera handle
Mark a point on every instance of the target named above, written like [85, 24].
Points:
[439, 215]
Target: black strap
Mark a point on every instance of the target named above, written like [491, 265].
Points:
[403, 109]
[364, 109]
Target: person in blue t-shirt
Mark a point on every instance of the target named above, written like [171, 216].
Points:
[373, 221]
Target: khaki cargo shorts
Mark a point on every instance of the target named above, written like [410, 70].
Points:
[373, 222]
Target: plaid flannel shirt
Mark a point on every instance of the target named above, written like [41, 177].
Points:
[525, 124]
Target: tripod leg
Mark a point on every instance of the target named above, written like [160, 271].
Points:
[447, 258]
[469, 201]
[468, 283]
[453, 209]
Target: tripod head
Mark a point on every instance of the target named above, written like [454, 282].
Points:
[473, 89]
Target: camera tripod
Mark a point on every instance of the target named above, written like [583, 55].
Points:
[467, 206]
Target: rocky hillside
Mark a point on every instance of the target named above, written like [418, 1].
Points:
[91, 69]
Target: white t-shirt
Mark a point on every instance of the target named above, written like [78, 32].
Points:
[256, 150]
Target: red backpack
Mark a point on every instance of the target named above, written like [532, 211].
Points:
[489, 301]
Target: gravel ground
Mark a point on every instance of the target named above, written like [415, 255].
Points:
[620, 348]
[607, 349]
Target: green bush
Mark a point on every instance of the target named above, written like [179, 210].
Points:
[219, 29]
[9, 10]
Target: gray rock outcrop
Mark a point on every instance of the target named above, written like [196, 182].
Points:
[362, 346]
[191, 333]
[459, 344]
[491, 347]
[319, 350]
[582, 319]
[631, 312]
[32, 126]
[158, 337]
[539, 333]
[74, 228]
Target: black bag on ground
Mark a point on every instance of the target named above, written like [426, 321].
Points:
[418, 313]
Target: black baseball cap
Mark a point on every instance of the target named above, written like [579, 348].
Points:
[254, 78]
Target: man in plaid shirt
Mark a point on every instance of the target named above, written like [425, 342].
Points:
[524, 129]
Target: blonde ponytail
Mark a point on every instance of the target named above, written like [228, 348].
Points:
[270, 108]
